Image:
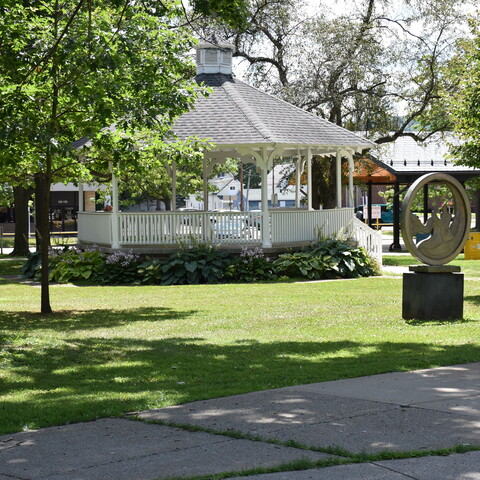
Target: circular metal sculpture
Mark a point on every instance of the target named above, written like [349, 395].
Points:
[445, 232]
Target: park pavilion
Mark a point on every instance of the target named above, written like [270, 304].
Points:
[249, 125]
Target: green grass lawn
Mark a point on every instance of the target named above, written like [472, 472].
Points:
[470, 268]
[110, 350]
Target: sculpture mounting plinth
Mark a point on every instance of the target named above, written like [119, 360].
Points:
[432, 293]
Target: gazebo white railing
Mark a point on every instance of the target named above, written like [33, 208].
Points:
[163, 229]
[367, 238]
[305, 225]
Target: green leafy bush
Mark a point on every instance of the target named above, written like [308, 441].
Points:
[251, 266]
[328, 258]
[75, 264]
[343, 260]
[300, 264]
[200, 264]
[150, 272]
[32, 264]
[120, 268]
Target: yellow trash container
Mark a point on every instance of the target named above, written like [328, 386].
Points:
[472, 247]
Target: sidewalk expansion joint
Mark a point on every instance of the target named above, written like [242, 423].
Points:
[394, 471]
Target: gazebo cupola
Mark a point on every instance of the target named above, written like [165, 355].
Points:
[214, 58]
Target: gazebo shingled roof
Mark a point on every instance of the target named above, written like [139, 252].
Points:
[237, 114]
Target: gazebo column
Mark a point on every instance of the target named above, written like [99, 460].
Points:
[309, 179]
[298, 176]
[205, 185]
[339, 178]
[114, 214]
[173, 202]
[262, 161]
[265, 224]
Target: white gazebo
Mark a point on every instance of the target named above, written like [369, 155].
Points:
[243, 123]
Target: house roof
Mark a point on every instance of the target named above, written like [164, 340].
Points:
[236, 114]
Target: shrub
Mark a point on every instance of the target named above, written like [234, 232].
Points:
[251, 266]
[32, 264]
[300, 264]
[328, 258]
[199, 264]
[150, 272]
[74, 264]
[343, 260]
[120, 268]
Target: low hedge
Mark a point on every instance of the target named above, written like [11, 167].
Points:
[203, 264]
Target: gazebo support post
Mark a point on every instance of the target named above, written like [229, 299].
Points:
[298, 180]
[205, 185]
[173, 201]
[339, 178]
[114, 214]
[309, 179]
[265, 225]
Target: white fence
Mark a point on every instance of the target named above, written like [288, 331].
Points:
[225, 228]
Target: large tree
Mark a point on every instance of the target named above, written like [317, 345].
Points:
[465, 105]
[109, 70]
[375, 67]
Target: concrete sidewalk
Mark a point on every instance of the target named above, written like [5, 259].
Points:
[424, 410]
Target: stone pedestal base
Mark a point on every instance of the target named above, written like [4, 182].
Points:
[432, 293]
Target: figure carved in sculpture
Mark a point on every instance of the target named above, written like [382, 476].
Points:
[442, 228]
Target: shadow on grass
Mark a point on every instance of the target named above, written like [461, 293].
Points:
[66, 320]
[475, 299]
[428, 323]
[80, 379]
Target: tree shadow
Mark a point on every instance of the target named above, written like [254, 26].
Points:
[85, 378]
[66, 320]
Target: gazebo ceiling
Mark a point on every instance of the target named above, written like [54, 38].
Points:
[236, 116]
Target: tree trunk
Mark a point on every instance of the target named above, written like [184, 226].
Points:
[42, 204]
[21, 196]
[324, 186]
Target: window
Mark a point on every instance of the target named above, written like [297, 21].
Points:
[211, 57]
